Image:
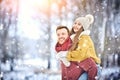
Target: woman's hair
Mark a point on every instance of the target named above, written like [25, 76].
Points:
[61, 27]
[76, 38]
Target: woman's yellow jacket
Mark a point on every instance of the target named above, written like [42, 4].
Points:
[84, 50]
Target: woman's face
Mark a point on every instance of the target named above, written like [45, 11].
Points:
[76, 26]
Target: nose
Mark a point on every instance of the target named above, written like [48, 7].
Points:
[60, 36]
[75, 26]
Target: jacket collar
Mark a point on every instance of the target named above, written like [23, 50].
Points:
[86, 32]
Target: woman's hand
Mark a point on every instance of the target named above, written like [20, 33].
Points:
[62, 56]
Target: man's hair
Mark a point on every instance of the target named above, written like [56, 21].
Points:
[61, 27]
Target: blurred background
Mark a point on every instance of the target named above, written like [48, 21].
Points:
[28, 37]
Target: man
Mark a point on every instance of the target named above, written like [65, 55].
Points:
[63, 44]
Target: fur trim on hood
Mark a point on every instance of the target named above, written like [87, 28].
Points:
[86, 32]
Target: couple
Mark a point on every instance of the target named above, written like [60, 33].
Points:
[76, 51]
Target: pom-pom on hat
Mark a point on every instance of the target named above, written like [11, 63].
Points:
[86, 21]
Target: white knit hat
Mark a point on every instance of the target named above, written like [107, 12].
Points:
[86, 21]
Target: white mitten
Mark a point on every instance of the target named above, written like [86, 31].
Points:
[61, 54]
[65, 62]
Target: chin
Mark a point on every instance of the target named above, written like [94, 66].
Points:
[60, 42]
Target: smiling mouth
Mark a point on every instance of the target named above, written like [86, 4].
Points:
[61, 39]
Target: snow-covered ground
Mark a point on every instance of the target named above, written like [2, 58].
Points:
[22, 75]
[31, 72]
[49, 74]
[28, 72]
[110, 73]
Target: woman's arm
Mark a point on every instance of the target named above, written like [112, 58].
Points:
[81, 52]
[62, 56]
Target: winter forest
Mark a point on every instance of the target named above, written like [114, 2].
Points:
[28, 36]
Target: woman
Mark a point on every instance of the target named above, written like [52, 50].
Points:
[82, 51]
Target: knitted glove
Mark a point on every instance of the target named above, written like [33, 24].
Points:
[62, 56]
[65, 62]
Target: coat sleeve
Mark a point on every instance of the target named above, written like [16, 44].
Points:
[80, 52]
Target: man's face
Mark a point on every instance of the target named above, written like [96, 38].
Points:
[62, 35]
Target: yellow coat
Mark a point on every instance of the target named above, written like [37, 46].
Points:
[84, 50]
